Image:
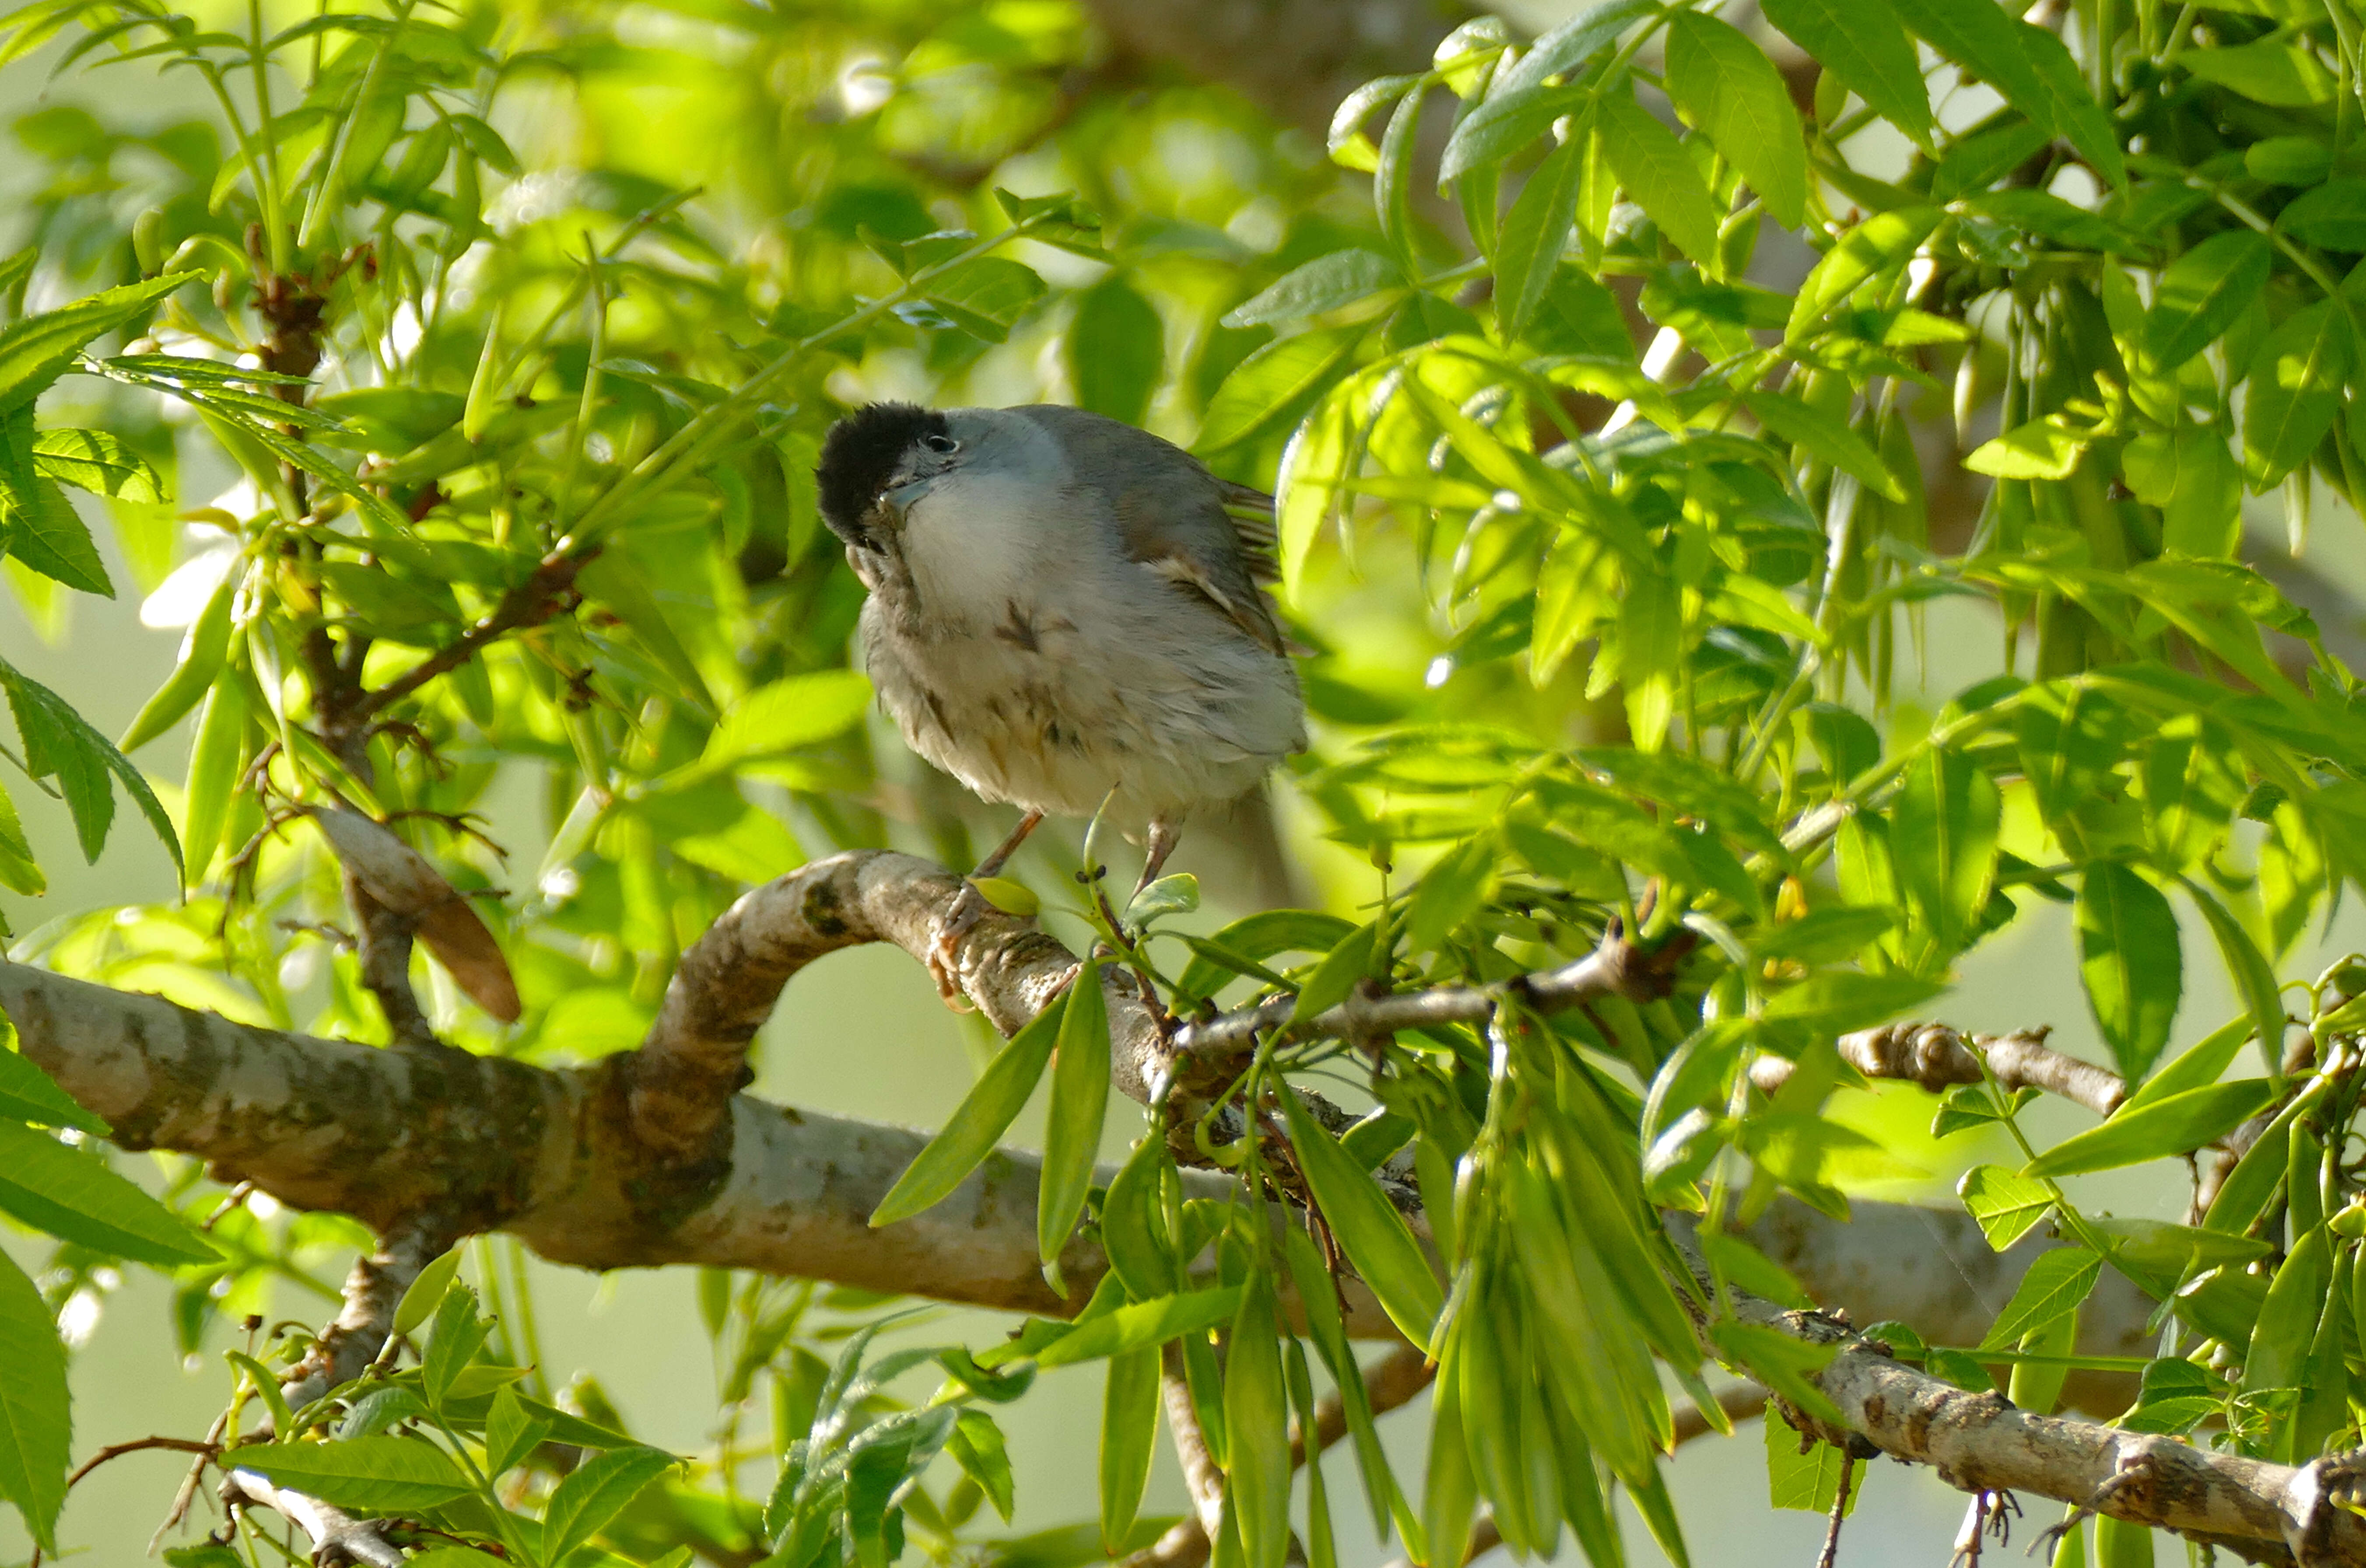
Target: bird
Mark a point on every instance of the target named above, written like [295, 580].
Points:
[1065, 612]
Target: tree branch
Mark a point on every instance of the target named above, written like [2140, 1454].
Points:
[1938, 1057]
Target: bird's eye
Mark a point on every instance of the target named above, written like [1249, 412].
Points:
[940, 442]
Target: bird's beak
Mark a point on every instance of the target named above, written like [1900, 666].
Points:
[900, 500]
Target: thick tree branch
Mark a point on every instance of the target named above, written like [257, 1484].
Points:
[1939, 1057]
[485, 1144]
[337, 1536]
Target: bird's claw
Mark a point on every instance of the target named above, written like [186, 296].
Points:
[944, 947]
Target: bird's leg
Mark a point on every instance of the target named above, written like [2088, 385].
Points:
[1163, 837]
[965, 909]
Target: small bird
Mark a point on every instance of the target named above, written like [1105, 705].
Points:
[1062, 613]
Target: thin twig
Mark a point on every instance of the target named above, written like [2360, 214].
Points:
[1831, 1553]
[117, 1451]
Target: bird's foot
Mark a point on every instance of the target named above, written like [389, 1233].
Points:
[967, 909]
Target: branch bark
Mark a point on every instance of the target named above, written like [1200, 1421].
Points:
[1939, 1057]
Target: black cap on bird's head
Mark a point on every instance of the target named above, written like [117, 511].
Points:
[860, 454]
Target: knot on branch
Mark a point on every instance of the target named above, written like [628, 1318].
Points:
[2322, 1496]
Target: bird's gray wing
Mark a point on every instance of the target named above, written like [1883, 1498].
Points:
[1174, 516]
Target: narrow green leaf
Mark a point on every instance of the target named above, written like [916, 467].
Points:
[2201, 293]
[1874, 249]
[36, 1432]
[1946, 821]
[2297, 1298]
[29, 1094]
[2129, 959]
[1537, 230]
[1655, 170]
[1257, 1428]
[1128, 1434]
[992, 1104]
[1823, 438]
[1144, 1324]
[426, 1293]
[203, 649]
[215, 755]
[72, 1196]
[2293, 390]
[374, 1475]
[2063, 103]
[36, 351]
[2203, 1063]
[595, 1493]
[1132, 1228]
[1274, 382]
[1725, 85]
[45, 533]
[1080, 1082]
[97, 462]
[2057, 1281]
[1369, 1229]
[511, 1433]
[2174, 1125]
[2253, 978]
[1329, 282]
[1861, 42]
[1839, 1000]
[59, 741]
[1318, 1299]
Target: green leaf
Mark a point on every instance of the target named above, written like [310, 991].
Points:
[2201, 293]
[986, 297]
[1946, 821]
[1368, 1226]
[2252, 976]
[215, 756]
[1653, 167]
[1876, 248]
[787, 715]
[1176, 894]
[73, 1197]
[369, 1475]
[2071, 737]
[1451, 892]
[2293, 390]
[1080, 1083]
[2129, 959]
[2004, 1205]
[43, 531]
[29, 1094]
[1115, 349]
[2278, 73]
[613, 579]
[1146, 1325]
[1801, 1473]
[1010, 897]
[2057, 1281]
[1273, 384]
[36, 1432]
[97, 462]
[19, 873]
[2278, 1355]
[2331, 216]
[992, 1104]
[1327, 283]
[1839, 1000]
[1650, 648]
[2038, 450]
[2065, 105]
[976, 1444]
[595, 1493]
[2191, 476]
[426, 1293]
[1782, 1364]
[1821, 436]
[1725, 85]
[2203, 1063]
[1129, 1435]
[511, 1433]
[203, 649]
[60, 742]
[1979, 35]
[1350, 961]
[36, 350]
[1255, 937]
[1861, 42]
[1537, 230]
[1257, 1428]
[2174, 1125]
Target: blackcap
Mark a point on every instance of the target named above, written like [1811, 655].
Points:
[1062, 613]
